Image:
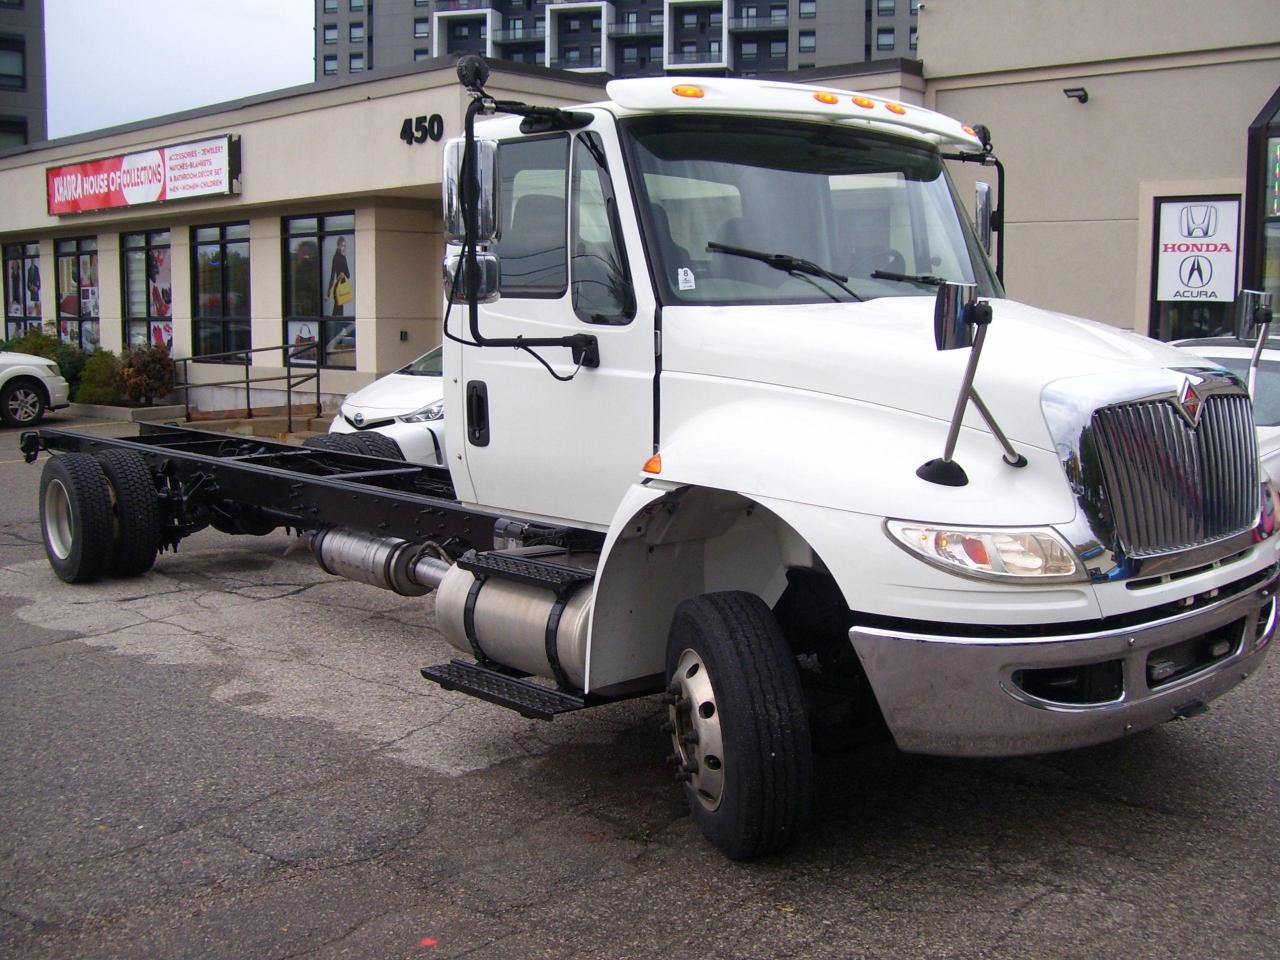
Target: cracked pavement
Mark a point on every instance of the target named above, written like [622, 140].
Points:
[234, 756]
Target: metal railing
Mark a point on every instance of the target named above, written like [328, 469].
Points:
[291, 379]
[704, 57]
[580, 63]
[518, 36]
[443, 5]
[635, 29]
[759, 23]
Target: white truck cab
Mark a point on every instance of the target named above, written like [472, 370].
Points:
[760, 267]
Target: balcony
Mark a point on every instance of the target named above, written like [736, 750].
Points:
[577, 63]
[444, 6]
[650, 29]
[699, 58]
[519, 36]
[747, 24]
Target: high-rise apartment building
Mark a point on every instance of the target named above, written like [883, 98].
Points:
[621, 38]
[23, 109]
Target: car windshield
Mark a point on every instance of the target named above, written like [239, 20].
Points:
[719, 192]
[1266, 401]
[427, 365]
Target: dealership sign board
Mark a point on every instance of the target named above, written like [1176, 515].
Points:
[200, 169]
[1196, 249]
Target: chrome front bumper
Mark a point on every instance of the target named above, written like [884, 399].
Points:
[964, 696]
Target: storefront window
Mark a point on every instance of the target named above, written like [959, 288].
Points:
[220, 294]
[21, 288]
[1271, 224]
[77, 293]
[147, 288]
[320, 289]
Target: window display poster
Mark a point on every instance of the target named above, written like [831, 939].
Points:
[161, 334]
[302, 341]
[339, 257]
[159, 282]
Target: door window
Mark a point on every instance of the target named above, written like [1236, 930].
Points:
[532, 244]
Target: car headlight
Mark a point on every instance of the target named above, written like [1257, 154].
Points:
[997, 554]
[432, 411]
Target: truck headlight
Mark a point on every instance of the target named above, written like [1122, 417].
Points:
[432, 411]
[996, 554]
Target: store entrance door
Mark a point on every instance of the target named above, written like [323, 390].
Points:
[1182, 321]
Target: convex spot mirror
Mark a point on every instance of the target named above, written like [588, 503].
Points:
[455, 266]
[1253, 309]
[953, 327]
[486, 162]
[982, 214]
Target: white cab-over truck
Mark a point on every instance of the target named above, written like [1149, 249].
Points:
[718, 431]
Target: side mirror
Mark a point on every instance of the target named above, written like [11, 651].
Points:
[952, 329]
[455, 224]
[456, 267]
[1253, 309]
[982, 214]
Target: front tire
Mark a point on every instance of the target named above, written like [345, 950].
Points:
[75, 517]
[739, 724]
[21, 403]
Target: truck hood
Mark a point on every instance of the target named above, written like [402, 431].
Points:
[882, 353]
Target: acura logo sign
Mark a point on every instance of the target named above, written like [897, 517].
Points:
[1195, 272]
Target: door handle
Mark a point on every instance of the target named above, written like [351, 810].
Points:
[478, 413]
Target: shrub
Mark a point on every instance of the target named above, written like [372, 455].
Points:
[146, 373]
[100, 380]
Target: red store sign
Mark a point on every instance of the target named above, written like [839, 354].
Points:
[200, 169]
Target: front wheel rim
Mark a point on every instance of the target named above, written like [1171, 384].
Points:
[24, 405]
[57, 519]
[696, 731]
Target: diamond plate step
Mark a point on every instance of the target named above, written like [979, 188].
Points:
[529, 699]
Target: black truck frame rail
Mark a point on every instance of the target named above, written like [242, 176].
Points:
[204, 477]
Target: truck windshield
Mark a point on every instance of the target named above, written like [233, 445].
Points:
[878, 210]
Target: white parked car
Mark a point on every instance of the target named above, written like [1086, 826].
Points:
[1234, 355]
[29, 386]
[406, 406]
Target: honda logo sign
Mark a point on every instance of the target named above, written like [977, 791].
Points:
[1196, 249]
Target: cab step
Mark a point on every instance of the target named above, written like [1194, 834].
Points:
[527, 698]
[559, 578]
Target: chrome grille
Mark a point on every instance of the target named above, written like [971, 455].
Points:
[1168, 485]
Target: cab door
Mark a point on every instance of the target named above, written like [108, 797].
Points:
[538, 436]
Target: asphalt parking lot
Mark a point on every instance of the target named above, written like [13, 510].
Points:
[234, 756]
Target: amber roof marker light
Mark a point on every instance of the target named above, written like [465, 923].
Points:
[688, 90]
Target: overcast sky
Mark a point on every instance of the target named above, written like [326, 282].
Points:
[116, 61]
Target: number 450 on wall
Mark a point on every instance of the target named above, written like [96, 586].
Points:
[421, 129]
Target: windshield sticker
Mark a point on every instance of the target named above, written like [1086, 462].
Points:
[684, 279]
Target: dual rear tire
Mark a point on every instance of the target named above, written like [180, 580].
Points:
[99, 515]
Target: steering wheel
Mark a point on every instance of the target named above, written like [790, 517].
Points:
[868, 260]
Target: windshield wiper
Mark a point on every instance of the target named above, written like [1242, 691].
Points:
[925, 278]
[788, 263]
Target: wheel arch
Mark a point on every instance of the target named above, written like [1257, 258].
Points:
[669, 543]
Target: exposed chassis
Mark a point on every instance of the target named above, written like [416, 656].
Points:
[203, 477]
